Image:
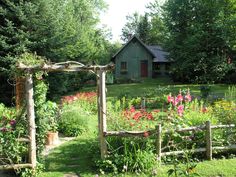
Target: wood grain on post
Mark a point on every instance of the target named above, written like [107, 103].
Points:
[158, 141]
[208, 141]
[98, 100]
[31, 119]
[103, 111]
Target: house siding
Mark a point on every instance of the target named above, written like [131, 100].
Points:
[133, 54]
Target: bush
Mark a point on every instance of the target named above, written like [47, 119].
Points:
[129, 155]
[11, 150]
[73, 121]
[225, 111]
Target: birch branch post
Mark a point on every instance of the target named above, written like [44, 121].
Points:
[103, 112]
[31, 119]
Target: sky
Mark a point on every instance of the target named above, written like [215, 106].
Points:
[115, 16]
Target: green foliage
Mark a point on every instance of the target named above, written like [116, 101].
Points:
[27, 172]
[68, 31]
[129, 155]
[225, 111]
[148, 27]
[205, 29]
[46, 114]
[11, 150]
[74, 119]
[230, 94]
[187, 170]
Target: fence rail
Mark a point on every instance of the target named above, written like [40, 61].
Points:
[207, 127]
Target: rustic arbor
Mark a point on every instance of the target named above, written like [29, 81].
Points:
[69, 66]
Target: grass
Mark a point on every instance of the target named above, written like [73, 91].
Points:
[140, 89]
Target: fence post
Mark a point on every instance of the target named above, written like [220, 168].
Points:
[158, 142]
[208, 141]
[102, 111]
[143, 103]
[31, 119]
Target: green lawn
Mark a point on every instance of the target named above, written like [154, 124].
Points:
[147, 85]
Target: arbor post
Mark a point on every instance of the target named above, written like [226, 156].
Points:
[102, 111]
[31, 119]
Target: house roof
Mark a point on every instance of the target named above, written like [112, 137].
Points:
[158, 54]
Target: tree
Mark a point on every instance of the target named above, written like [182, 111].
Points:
[57, 29]
[131, 26]
[158, 32]
[148, 27]
[199, 38]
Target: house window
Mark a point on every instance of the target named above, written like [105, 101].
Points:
[123, 67]
[156, 67]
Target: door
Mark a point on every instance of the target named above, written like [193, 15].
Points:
[144, 68]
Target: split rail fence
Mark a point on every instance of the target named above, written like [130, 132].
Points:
[207, 128]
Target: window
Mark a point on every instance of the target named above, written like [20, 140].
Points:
[123, 67]
[156, 67]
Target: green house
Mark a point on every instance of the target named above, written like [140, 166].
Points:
[136, 60]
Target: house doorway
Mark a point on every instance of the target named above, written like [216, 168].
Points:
[144, 68]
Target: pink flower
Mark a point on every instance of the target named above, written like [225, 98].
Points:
[180, 97]
[188, 97]
[180, 110]
[3, 129]
[176, 101]
[170, 99]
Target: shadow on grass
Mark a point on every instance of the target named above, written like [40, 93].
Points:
[73, 157]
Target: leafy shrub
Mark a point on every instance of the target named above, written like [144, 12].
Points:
[73, 121]
[11, 150]
[46, 114]
[129, 155]
[225, 111]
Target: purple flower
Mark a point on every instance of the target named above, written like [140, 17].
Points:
[3, 129]
[12, 122]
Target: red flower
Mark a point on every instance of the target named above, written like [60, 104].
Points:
[132, 109]
[137, 116]
[149, 116]
[156, 110]
[188, 97]
[180, 97]
[145, 134]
